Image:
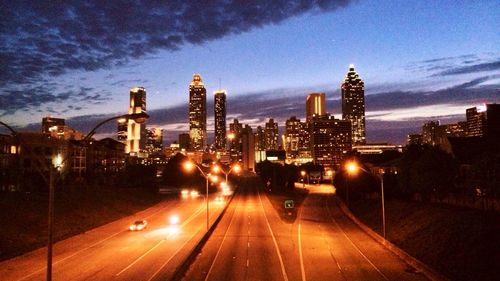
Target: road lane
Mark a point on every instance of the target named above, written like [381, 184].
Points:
[335, 248]
[243, 246]
[322, 244]
[111, 252]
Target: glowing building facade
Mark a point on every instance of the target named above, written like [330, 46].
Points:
[271, 135]
[197, 114]
[330, 140]
[484, 121]
[220, 119]
[353, 104]
[136, 132]
[315, 105]
[291, 137]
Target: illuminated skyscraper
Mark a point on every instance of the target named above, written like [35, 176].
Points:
[271, 135]
[154, 143]
[353, 104]
[484, 121]
[292, 136]
[136, 133]
[315, 105]
[122, 130]
[330, 140]
[235, 145]
[220, 119]
[197, 113]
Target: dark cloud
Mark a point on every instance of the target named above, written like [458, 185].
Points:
[465, 93]
[490, 66]
[40, 38]
[455, 65]
[39, 98]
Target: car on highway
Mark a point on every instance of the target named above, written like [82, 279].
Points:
[138, 225]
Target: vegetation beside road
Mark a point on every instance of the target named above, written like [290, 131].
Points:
[460, 243]
[23, 216]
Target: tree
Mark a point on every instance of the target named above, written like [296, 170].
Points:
[427, 170]
[174, 174]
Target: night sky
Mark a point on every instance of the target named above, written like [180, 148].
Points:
[420, 60]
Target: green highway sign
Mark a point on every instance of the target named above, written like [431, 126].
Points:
[289, 204]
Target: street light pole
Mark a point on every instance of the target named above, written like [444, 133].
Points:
[383, 202]
[189, 166]
[352, 168]
[206, 199]
[138, 117]
[50, 222]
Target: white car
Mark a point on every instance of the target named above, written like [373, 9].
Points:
[138, 225]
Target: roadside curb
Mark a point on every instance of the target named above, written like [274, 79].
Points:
[420, 266]
[186, 263]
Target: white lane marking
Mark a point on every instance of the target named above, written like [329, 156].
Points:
[352, 243]
[285, 277]
[142, 256]
[175, 253]
[301, 258]
[91, 246]
[220, 247]
[330, 250]
[195, 214]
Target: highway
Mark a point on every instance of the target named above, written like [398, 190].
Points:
[112, 252]
[253, 243]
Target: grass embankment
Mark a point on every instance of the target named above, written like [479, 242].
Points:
[278, 198]
[461, 243]
[23, 217]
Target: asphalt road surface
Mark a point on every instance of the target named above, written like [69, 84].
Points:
[253, 243]
[112, 252]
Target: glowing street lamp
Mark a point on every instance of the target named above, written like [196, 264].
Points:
[303, 174]
[352, 169]
[236, 168]
[189, 166]
[330, 174]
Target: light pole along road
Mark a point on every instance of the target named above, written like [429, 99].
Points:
[189, 166]
[254, 242]
[57, 163]
[352, 169]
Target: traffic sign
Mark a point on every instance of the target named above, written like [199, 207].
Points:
[289, 204]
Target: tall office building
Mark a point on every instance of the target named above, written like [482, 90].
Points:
[271, 135]
[430, 132]
[483, 121]
[330, 140]
[122, 130]
[136, 132]
[220, 119]
[353, 104]
[315, 105]
[305, 140]
[247, 148]
[260, 139]
[197, 113]
[292, 136]
[235, 144]
[184, 141]
[154, 143]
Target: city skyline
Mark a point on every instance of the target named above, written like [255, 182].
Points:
[426, 65]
